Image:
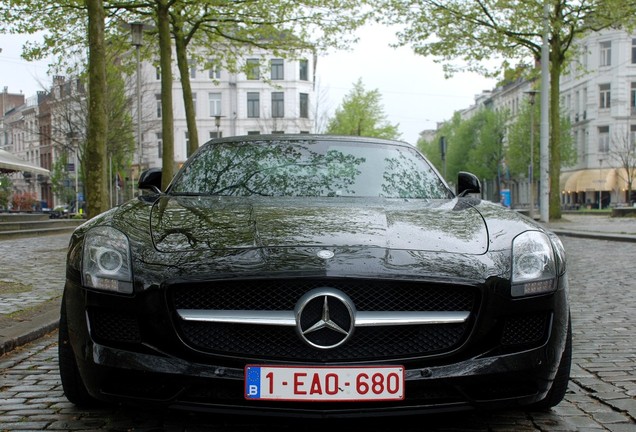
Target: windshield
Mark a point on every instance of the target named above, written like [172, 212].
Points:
[317, 168]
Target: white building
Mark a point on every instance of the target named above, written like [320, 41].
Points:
[598, 92]
[272, 99]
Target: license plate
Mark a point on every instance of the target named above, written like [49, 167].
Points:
[290, 383]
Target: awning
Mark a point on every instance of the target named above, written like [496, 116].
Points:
[565, 176]
[11, 163]
[590, 180]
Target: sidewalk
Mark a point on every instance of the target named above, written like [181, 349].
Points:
[602, 227]
[33, 269]
[32, 277]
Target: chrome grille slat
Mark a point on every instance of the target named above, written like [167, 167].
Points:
[287, 318]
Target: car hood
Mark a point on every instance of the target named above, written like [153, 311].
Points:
[186, 223]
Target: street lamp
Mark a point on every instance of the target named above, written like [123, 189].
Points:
[74, 147]
[442, 149]
[217, 123]
[531, 95]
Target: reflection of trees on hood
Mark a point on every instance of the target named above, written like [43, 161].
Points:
[258, 169]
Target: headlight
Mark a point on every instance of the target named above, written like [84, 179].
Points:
[533, 264]
[106, 261]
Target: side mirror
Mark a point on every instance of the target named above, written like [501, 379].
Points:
[150, 179]
[467, 183]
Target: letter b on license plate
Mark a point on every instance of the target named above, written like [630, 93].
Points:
[379, 383]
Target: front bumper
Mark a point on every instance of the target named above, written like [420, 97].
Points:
[148, 373]
[497, 382]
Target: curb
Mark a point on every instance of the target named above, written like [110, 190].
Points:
[25, 328]
[594, 235]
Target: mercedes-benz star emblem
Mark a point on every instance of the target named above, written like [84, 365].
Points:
[325, 254]
[325, 318]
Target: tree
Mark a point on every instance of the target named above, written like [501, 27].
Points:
[5, 190]
[60, 179]
[227, 29]
[475, 144]
[486, 157]
[361, 114]
[517, 150]
[623, 152]
[473, 31]
[454, 149]
[95, 165]
[66, 25]
[286, 28]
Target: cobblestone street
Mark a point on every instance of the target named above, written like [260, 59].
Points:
[601, 396]
[43, 275]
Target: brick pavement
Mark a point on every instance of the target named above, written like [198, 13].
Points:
[31, 284]
[35, 263]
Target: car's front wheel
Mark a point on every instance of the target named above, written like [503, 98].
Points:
[72, 384]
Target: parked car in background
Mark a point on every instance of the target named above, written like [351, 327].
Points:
[316, 276]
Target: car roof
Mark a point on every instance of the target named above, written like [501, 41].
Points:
[305, 137]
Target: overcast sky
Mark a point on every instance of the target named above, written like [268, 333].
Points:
[414, 92]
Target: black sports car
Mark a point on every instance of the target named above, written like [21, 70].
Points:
[317, 276]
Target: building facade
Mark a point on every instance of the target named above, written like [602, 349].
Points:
[20, 136]
[598, 93]
[274, 96]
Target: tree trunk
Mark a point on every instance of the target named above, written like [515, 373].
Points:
[95, 164]
[184, 72]
[167, 116]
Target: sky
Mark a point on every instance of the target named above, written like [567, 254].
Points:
[413, 89]
[414, 93]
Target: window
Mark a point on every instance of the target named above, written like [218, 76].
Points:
[158, 73]
[277, 66]
[606, 53]
[603, 139]
[278, 104]
[253, 69]
[253, 103]
[277, 132]
[253, 132]
[304, 70]
[158, 103]
[304, 105]
[214, 72]
[159, 137]
[193, 68]
[632, 98]
[605, 94]
[634, 51]
[215, 134]
[632, 137]
[214, 100]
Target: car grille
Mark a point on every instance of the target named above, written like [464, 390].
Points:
[274, 342]
[112, 326]
[525, 329]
